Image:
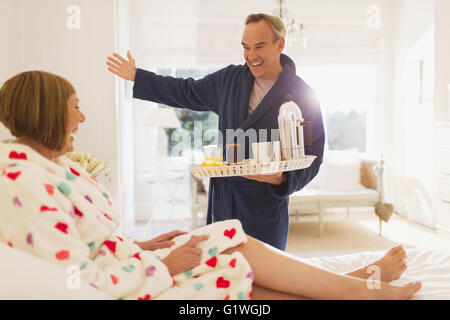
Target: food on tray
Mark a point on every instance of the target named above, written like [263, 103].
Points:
[213, 156]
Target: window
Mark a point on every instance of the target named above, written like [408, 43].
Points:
[210, 120]
[347, 94]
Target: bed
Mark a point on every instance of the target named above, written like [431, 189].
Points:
[23, 276]
[431, 267]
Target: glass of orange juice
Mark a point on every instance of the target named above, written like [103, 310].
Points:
[213, 155]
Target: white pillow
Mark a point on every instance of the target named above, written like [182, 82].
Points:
[25, 277]
[341, 171]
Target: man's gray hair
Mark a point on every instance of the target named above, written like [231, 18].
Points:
[275, 23]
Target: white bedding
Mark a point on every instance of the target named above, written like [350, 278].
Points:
[23, 276]
[431, 267]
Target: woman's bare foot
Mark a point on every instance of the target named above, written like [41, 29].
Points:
[390, 292]
[392, 265]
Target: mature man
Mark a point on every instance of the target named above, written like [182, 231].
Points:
[246, 97]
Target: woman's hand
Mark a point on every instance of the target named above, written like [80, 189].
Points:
[276, 178]
[162, 241]
[184, 257]
[121, 67]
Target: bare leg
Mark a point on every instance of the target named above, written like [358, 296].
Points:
[261, 293]
[280, 271]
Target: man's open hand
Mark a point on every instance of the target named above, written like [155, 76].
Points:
[125, 69]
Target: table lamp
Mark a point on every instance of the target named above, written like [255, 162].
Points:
[162, 118]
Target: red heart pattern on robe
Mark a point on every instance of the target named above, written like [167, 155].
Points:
[45, 208]
[230, 233]
[77, 212]
[146, 297]
[111, 245]
[50, 189]
[212, 262]
[88, 198]
[62, 255]
[13, 175]
[16, 155]
[62, 227]
[232, 263]
[114, 279]
[222, 283]
[137, 256]
[74, 172]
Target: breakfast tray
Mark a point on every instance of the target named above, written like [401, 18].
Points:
[251, 168]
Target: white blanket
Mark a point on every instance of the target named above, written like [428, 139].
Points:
[431, 267]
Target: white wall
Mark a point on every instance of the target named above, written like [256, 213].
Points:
[442, 108]
[442, 61]
[10, 47]
[409, 124]
[9, 35]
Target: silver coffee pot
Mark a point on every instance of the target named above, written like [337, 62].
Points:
[291, 125]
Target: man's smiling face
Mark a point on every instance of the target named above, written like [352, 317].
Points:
[261, 52]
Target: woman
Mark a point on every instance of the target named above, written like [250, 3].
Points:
[53, 209]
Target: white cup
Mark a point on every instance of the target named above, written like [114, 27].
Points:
[276, 148]
[255, 151]
[262, 151]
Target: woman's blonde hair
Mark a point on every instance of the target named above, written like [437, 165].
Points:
[275, 23]
[34, 104]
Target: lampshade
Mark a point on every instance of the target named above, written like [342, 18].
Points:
[162, 117]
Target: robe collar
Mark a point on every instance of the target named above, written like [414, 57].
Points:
[273, 98]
